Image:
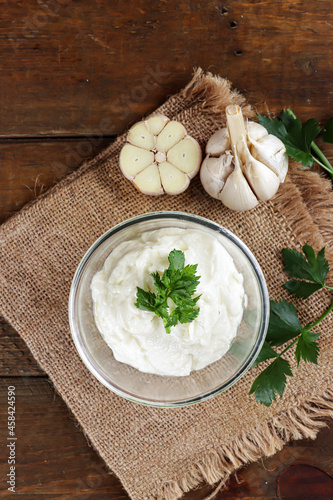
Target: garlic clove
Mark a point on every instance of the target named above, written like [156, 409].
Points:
[261, 178]
[140, 136]
[271, 151]
[156, 123]
[186, 155]
[172, 133]
[214, 173]
[255, 131]
[218, 143]
[148, 181]
[173, 180]
[133, 159]
[236, 193]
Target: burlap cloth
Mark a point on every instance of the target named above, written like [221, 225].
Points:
[161, 453]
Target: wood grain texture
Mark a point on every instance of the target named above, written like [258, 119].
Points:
[74, 74]
[15, 357]
[299, 481]
[54, 460]
[28, 169]
[73, 68]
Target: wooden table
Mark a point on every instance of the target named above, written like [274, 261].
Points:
[75, 74]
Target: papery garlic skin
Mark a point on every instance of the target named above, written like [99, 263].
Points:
[263, 181]
[237, 194]
[244, 164]
[270, 151]
[214, 172]
[218, 143]
[255, 131]
[159, 157]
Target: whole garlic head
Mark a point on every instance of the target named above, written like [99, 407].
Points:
[244, 164]
[159, 157]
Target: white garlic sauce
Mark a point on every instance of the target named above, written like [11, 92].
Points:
[138, 337]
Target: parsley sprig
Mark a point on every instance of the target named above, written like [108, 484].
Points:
[284, 325]
[178, 283]
[305, 267]
[299, 138]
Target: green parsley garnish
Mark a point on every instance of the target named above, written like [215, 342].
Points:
[299, 138]
[305, 267]
[284, 326]
[178, 283]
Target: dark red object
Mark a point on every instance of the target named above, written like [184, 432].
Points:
[303, 482]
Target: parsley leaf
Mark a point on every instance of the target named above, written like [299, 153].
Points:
[285, 326]
[305, 267]
[177, 260]
[283, 323]
[301, 135]
[267, 352]
[307, 347]
[145, 300]
[301, 288]
[296, 137]
[271, 381]
[299, 138]
[178, 283]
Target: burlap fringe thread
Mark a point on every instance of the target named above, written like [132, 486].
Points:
[209, 91]
[305, 420]
[314, 208]
[298, 423]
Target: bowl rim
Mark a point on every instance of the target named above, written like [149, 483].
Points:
[88, 360]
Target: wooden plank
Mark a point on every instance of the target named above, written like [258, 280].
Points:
[15, 357]
[54, 461]
[76, 69]
[296, 481]
[28, 169]
[94, 67]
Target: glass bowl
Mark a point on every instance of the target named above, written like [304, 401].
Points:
[157, 390]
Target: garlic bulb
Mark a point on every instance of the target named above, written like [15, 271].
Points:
[159, 157]
[244, 164]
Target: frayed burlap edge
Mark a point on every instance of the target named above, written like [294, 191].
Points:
[297, 423]
[316, 190]
[315, 199]
[208, 91]
[312, 223]
[314, 206]
[204, 89]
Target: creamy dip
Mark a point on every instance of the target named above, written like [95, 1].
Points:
[138, 337]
